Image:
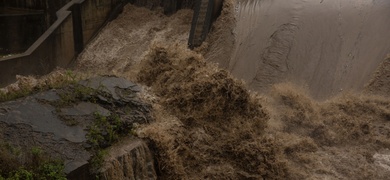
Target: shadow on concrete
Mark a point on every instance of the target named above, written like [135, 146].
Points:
[77, 23]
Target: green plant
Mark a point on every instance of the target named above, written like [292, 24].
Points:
[97, 160]
[36, 164]
[71, 76]
[12, 149]
[36, 157]
[68, 120]
[9, 158]
[21, 174]
[52, 170]
[26, 89]
[36, 151]
[75, 93]
[105, 130]
[15, 94]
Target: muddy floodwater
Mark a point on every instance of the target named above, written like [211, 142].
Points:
[280, 89]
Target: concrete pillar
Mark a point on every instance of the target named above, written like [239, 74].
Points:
[77, 28]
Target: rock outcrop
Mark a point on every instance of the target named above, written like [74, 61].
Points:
[59, 121]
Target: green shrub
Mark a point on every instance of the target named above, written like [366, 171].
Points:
[36, 165]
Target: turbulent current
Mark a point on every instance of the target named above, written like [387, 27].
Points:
[211, 125]
[280, 89]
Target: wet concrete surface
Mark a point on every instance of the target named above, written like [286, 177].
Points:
[329, 46]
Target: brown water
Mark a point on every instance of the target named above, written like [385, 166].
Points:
[209, 125]
[328, 47]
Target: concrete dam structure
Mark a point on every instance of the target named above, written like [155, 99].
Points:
[329, 46]
[37, 36]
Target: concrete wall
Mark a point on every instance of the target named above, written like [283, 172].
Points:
[93, 14]
[77, 22]
[19, 29]
[28, 4]
[50, 7]
[22, 22]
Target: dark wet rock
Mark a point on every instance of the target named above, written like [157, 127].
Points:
[23, 136]
[48, 96]
[119, 89]
[102, 98]
[4, 110]
[136, 89]
[41, 117]
[83, 109]
[60, 126]
[77, 169]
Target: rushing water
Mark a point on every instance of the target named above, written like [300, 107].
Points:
[328, 45]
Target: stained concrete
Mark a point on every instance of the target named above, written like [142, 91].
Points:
[328, 46]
